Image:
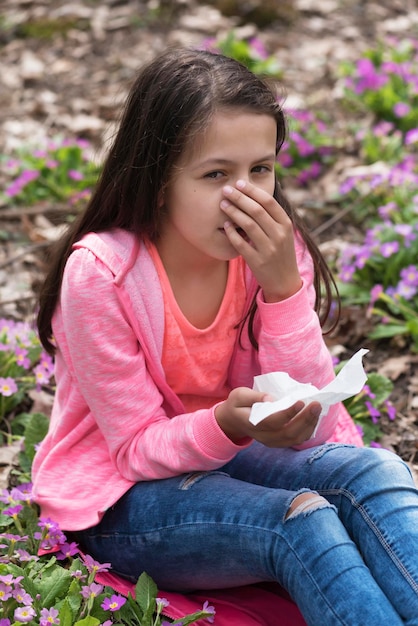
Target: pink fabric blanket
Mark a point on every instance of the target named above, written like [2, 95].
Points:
[253, 605]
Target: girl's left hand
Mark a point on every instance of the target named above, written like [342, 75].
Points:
[262, 232]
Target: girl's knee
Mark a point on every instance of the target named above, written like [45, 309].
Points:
[306, 503]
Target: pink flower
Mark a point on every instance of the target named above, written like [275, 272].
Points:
[49, 616]
[91, 591]
[113, 603]
[24, 614]
[7, 386]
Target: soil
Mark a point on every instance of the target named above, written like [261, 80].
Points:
[65, 67]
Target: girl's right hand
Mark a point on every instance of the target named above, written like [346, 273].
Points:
[283, 429]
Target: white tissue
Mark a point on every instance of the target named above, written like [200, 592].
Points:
[286, 391]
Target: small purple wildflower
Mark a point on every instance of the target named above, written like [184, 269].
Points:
[374, 413]
[8, 386]
[389, 248]
[24, 614]
[411, 136]
[91, 591]
[22, 597]
[13, 511]
[22, 358]
[78, 574]
[209, 609]
[114, 603]
[75, 175]
[94, 566]
[391, 410]
[49, 616]
[401, 109]
[5, 592]
[67, 550]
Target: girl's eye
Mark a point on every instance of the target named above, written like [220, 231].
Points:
[261, 169]
[214, 175]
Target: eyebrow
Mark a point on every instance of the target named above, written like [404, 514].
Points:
[221, 161]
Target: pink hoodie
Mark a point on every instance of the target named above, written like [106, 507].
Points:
[115, 421]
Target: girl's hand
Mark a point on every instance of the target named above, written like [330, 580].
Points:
[262, 232]
[283, 429]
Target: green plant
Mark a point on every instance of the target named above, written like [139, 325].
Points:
[63, 171]
[44, 579]
[249, 52]
[384, 82]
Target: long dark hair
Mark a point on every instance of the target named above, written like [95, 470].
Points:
[172, 100]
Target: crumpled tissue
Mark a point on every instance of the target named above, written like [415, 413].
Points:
[286, 391]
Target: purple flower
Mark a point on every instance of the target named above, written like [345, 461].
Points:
[401, 109]
[161, 603]
[374, 413]
[49, 616]
[113, 603]
[411, 136]
[409, 275]
[22, 357]
[8, 386]
[4, 622]
[209, 609]
[5, 592]
[405, 290]
[22, 597]
[368, 79]
[389, 248]
[75, 175]
[13, 511]
[24, 556]
[24, 614]
[93, 566]
[374, 444]
[91, 591]
[391, 409]
[67, 550]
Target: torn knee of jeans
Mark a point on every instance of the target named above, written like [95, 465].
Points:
[194, 477]
[306, 503]
[327, 447]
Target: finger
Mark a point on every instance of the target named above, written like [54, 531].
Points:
[247, 196]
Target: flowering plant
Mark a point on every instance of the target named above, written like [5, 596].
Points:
[368, 407]
[384, 81]
[249, 52]
[45, 579]
[382, 273]
[309, 148]
[24, 367]
[63, 170]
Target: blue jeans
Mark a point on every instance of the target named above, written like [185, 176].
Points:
[352, 559]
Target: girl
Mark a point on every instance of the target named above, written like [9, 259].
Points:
[187, 275]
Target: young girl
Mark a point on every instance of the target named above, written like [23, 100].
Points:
[187, 275]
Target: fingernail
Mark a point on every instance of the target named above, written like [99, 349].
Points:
[225, 204]
[240, 184]
[228, 189]
[316, 411]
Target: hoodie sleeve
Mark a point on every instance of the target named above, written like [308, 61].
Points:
[291, 340]
[107, 364]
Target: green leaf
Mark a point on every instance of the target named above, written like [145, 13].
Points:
[146, 592]
[53, 584]
[66, 614]
[88, 621]
[35, 432]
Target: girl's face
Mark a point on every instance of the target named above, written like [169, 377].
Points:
[237, 144]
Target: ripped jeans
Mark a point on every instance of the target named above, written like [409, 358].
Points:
[349, 557]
